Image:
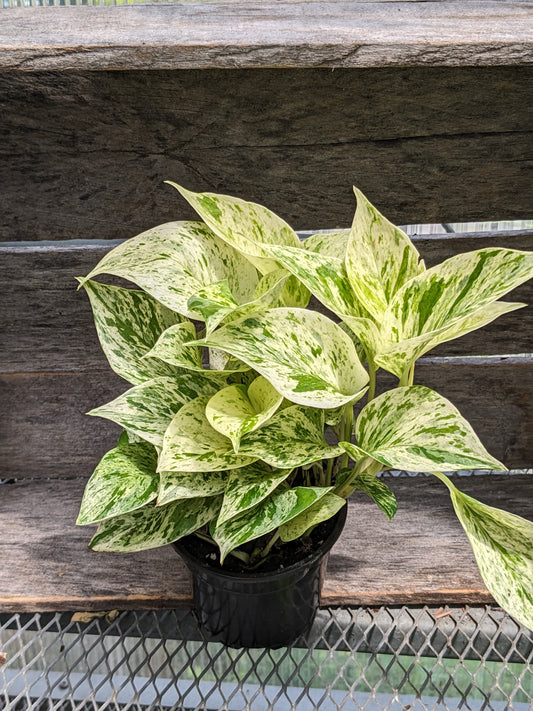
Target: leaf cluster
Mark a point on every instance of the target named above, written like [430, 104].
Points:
[240, 423]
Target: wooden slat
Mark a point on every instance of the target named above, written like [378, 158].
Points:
[266, 34]
[48, 327]
[421, 556]
[46, 434]
[85, 154]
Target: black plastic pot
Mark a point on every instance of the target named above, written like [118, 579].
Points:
[259, 609]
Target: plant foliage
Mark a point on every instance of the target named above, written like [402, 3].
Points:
[240, 424]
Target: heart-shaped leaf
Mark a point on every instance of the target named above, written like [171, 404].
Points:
[324, 276]
[173, 261]
[248, 486]
[399, 357]
[329, 244]
[416, 429]
[124, 480]
[154, 526]
[380, 258]
[148, 409]
[503, 546]
[378, 491]
[306, 357]
[274, 511]
[189, 485]
[293, 437]
[190, 443]
[246, 226]
[128, 324]
[236, 410]
[322, 510]
[450, 300]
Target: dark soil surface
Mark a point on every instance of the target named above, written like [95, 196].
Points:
[281, 556]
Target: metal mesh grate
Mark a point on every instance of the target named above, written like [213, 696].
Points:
[416, 659]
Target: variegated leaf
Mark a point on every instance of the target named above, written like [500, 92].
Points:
[416, 429]
[329, 244]
[154, 526]
[274, 511]
[124, 480]
[236, 410]
[399, 357]
[214, 302]
[305, 356]
[380, 258]
[322, 510]
[128, 324]
[503, 545]
[324, 276]
[293, 437]
[172, 347]
[190, 443]
[367, 333]
[247, 487]
[189, 485]
[246, 226]
[173, 261]
[147, 409]
[378, 491]
[456, 294]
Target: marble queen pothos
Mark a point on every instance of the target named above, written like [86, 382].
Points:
[235, 382]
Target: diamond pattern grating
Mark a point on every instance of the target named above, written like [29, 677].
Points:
[402, 659]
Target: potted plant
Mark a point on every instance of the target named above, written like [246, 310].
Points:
[252, 418]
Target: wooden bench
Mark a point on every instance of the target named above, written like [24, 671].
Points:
[424, 106]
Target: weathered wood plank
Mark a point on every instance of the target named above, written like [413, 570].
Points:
[92, 148]
[264, 34]
[421, 556]
[47, 326]
[45, 432]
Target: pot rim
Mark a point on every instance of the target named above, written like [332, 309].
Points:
[308, 560]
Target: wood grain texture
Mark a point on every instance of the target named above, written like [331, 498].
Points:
[45, 432]
[85, 154]
[291, 33]
[421, 556]
[47, 326]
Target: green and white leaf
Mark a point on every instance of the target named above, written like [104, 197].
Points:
[274, 511]
[129, 323]
[189, 485]
[293, 437]
[416, 429]
[322, 510]
[306, 357]
[246, 226]
[175, 260]
[329, 244]
[154, 526]
[399, 357]
[378, 491]
[147, 409]
[172, 347]
[190, 443]
[247, 487]
[503, 546]
[236, 410]
[454, 295]
[324, 276]
[380, 258]
[214, 302]
[124, 480]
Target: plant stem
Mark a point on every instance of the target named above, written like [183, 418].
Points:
[412, 374]
[267, 548]
[372, 380]
[329, 471]
[348, 424]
